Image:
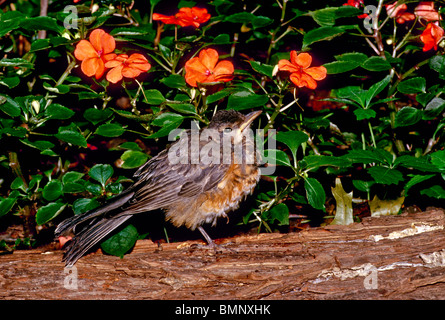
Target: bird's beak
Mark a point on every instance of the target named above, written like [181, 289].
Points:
[249, 119]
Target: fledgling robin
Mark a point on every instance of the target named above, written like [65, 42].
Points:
[193, 192]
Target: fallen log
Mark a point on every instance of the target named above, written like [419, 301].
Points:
[393, 257]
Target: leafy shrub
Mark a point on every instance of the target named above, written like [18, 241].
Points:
[90, 91]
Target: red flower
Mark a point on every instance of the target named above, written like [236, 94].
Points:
[185, 17]
[205, 68]
[300, 73]
[128, 67]
[399, 12]
[431, 36]
[425, 10]
[95, 53]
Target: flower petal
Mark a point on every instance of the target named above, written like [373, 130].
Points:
[304, 60]
[165, 19]
[209, 58]
[85, 50]
[92, 66]
[115, 74]
[303, 80]
[224, 71]
[286, 65]
[318, 73]
[95, 39]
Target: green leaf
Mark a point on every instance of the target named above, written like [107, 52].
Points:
[174, 81]
[185, 108]
[343, 210]
[262, 68]
[41, 23]
[293, 139]
[279, 213]
[71, 177]
[9, 106]
[407, 116]
[133, 159]
[110, 130]
[58, 112]
[412, 85]
[276, 157]
[167, 121]
[121, 242]
[327, 16]
[15, 62]
[241, 17]
[433, 109]
[315, 193]
[323, 34]
[385, 175]
[246, 100]
[376, 64]
[362, 114]
[421, 163]
[70, 135]
[222, 39]
[340, 66]
[375, 89]
[38, 144]
[6, 205]
[96, 116]
[416, 179]
[438, 159]
[84, 205]
[363, 185]
[101, 173]
[49, 212]
[437, 63]
[154, 97]
[353, 93]
[312, 162]
[52, 190]
[435, 191]
[10, 82]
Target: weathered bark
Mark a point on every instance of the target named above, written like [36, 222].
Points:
[396, 257]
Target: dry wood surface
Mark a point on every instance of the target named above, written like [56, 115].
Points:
[394, 257]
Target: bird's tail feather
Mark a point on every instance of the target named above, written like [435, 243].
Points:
[93, 226]
[69, 225]
[89, 237]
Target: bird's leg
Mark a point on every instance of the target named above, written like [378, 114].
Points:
[211, 243]
[209, 240]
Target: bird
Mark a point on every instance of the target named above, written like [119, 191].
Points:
[192, 190]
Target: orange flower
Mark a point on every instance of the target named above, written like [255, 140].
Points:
[300, 73]
[95, 53]
[426, 11]
[431, 36]
[205, 68]
[399, 13]
[185, 17]
[128, 67]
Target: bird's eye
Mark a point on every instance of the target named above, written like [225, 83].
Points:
[228, 129]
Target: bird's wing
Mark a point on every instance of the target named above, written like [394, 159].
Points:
[160, 183]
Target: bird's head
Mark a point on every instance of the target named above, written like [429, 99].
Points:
[230, 121]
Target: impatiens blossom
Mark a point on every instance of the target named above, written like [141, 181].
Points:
[425, 10]
[185, 17]
[399, 12]
[95, 53]
[301, 74]
[431, 36]
[206, 68]
[126, 66]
